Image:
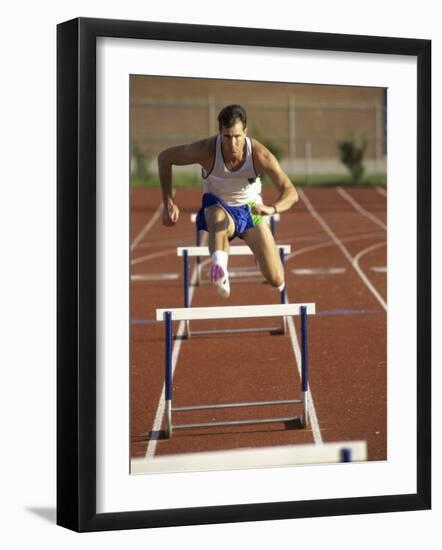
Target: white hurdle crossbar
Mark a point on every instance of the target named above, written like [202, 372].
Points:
[187, 252]
[241, 250]
[234, 312]
[253, 457]
[200, 251]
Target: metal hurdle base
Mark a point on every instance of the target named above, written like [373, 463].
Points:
[275, 331]
[170, 426]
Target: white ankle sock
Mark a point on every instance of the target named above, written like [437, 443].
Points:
[281, 287]
[221, 258]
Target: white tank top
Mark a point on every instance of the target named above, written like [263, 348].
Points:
[234, 187]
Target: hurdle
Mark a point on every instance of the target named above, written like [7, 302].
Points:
[234, 312]
[187, 252]
[248, 458]
[200, 251]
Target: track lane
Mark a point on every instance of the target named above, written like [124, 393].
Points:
[297, 228]
[356, 344]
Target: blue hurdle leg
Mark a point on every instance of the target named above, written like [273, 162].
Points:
[186, 290]
[198, 258]
[186, 277]
[283, 292]
[168, 372]
[304, 364]
[272, 225]
[345, 455]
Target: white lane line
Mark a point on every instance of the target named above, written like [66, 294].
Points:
[155, 277]
[381, 191]
[359, 270]
[153, 442]
[317, 437]
[342, 248]
[379, 269]
[147, 227]
[319, 271]
[360, 208]
[151, 257]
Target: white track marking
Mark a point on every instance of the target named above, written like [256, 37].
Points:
[380, 269]
[319, 271]
[330, 243]
[360, 208]
[153, 442]
[359, 270]
[152, 445]
[342, 248]
[147, 227]
[150, 257]
[381, 191]
[155, 277]
[316, 431]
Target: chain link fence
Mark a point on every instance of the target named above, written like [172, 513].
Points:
[303, 135]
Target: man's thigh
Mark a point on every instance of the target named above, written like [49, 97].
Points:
[261, 242]
[217, 219]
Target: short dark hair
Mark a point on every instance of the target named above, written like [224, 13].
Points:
[230, 114]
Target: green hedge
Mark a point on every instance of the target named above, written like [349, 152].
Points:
[191, 180]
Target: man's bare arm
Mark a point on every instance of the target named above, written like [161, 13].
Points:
[266, 162]
[181, 155]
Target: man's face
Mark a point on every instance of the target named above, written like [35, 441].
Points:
[233, 139]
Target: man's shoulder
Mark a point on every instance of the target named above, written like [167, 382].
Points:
[260, 151]
[205, 146]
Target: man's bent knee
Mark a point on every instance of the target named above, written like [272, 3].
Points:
[276, 280]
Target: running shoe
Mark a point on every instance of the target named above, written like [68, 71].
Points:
[220, 279]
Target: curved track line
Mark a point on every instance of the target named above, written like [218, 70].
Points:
[342, 248]
[381, 191]
[328, 243]
[359, 269]
[147, 227]
[360, 208]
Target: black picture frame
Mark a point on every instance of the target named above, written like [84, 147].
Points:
[76, 273]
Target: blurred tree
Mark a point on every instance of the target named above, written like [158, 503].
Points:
[141, 165]
[352, 153]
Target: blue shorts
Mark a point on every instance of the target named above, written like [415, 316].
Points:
[241, 215]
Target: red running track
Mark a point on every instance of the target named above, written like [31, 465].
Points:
[338, 261]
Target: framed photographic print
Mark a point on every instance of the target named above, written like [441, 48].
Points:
[243, 274]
